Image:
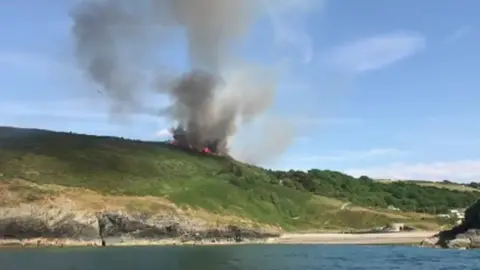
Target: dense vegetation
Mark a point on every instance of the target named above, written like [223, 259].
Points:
[365, 191]
[290, 198]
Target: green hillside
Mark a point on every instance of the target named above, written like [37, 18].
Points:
[293, 199]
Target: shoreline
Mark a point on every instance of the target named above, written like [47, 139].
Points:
[397, 238]
[356, 239]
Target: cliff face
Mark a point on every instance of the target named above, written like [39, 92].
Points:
[465, 236]
[70, 217]
[118, 225]
[56, 226]
[472, 216]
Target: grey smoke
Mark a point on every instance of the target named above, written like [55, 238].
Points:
[99, 29]
[116, 39]
[267, 143]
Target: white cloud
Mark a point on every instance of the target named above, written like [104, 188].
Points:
[375, 52]
[163, 133]
[287, 18]
[352, 155]
[461, 170]
[458, 34]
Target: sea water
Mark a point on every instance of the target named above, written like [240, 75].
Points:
[241, 257]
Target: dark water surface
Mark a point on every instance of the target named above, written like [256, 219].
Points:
[244, 257]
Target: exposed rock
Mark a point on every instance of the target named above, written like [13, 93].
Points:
[430, 242]
[459, 243]
[30, 222]
[475, 241]
[465, 236]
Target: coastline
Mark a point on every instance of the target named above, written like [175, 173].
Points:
[396, 238]
[42, 243]
[356, 239]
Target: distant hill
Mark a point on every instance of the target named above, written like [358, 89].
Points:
[472, 186]
[293, 200]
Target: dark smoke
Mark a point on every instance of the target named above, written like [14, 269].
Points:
[115, 39]
[194, 109]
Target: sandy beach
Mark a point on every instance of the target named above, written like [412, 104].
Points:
[367, 239]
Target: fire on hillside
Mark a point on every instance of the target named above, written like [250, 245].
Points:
[181, 139]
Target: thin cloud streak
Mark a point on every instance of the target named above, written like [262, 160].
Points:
[352, 155]
[461, 170]
[375, 52]
[458, 34]
[287, 18]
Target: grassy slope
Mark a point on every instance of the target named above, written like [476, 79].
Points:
[117, 167]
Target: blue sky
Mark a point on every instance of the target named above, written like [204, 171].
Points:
[382, 88]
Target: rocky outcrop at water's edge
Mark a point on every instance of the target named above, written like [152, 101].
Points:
[464, 236]
[30, 225]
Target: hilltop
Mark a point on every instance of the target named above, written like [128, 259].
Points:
[39, 167]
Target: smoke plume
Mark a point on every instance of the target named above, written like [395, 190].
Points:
[117, 39]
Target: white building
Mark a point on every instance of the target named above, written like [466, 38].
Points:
[393, 208]
[457, 213]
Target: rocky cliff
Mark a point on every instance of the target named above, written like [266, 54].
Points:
[55, 226]
[465, 236]
[71, 217]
